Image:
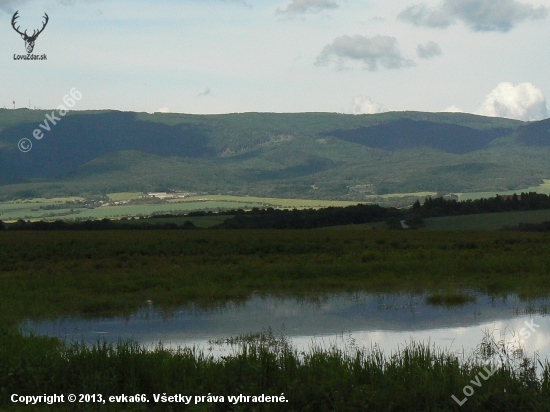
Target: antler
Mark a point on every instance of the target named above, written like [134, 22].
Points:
[34, 34]
[15, 16]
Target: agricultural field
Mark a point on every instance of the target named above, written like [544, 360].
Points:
[542, 188]
[131, 204]
[269, 202]
[49, 210]
[486, 221]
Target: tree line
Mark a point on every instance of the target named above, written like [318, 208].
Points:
[270, 218]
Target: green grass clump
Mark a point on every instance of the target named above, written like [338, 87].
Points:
[449, 299]
[416, 377]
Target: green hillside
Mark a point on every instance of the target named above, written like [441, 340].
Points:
[302, 155]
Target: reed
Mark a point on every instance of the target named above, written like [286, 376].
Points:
[50, 274]
[416, 377]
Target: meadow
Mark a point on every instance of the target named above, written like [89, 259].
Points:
[57, 208]
[48, 274]
[31, 210]
[486, 221]
[45, 275]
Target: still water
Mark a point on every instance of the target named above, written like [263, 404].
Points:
[359, 319]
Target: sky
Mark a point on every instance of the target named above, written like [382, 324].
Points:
[489, 57]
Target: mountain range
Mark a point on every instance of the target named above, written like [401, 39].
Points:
[290, 155]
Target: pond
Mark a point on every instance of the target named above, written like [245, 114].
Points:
[352, 319]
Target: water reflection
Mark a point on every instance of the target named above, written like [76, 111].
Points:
[359, 319]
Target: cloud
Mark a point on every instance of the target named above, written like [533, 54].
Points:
[9, 6]
[206, 92]
[453, 109]
[163, 110]
[431, 49]
[364, 105]
[378, 50]
[305, 6]
[522, 102]
[479, 15]
[422, 15]
[243, 2]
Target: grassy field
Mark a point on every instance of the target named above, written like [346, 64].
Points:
[268, 201]
[38, 209]
[486, 221]
[199, 221]
[394, 195]
[542, 188]
[10, 212]
[115, 197]
[46, 275]
[415, 378]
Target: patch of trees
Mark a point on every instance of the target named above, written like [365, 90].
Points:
[531, 227]
[412, 217]
[308, 218]
[104, 224]
[437, 207]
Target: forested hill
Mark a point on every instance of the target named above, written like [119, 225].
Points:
[308, 155]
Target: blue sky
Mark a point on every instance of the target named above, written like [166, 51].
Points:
[221, 56]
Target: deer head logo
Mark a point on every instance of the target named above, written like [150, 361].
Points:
[29, 40]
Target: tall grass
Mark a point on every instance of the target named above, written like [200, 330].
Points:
[418, 377]
[49, 274]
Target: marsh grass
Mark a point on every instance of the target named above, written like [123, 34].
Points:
[51, 274]
[450, 299]
[89, 274]
[415, 377]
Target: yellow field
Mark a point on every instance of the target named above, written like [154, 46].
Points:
[48, 200]
[395, 195]
[115, 197]
[268, 201]
[543, 188]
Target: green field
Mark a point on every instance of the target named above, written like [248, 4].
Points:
[40, 209]
[270, 202]
[199, 221]
[46, 275]
[10, 211]
[486, 221]
[542, 188]
[124, 196]
[394, 195]
[114, 272]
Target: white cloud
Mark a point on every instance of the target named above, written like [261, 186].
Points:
[453, 109]
[422, 15]
[163, 110]
[522, 102]
[364, 105]
[431, 49]
[378, 50]
[479, 15]
[305, 6]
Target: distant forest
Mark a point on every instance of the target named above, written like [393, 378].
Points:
[279, 155]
